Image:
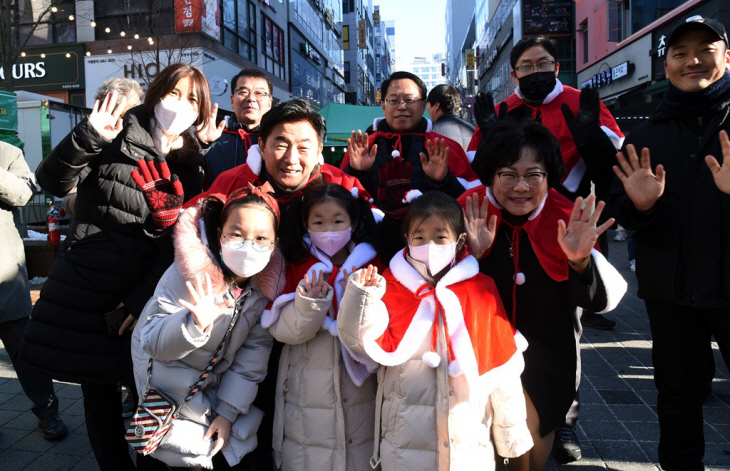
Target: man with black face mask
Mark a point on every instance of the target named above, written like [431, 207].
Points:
[589, 138]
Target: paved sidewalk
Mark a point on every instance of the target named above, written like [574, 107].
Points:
[618, 425]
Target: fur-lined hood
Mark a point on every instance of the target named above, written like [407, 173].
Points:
[193, 257]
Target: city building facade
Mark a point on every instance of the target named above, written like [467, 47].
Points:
[428, 69]
[359, 50]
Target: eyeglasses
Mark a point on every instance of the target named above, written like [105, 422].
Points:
[395, 102]
[260, 243]
[532, 179]
[544, 66]
[243, 93]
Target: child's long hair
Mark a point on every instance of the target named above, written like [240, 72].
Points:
[294, 220]
[435, 203]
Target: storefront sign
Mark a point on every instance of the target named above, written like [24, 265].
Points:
[198, 16]
[309, 52]
[607, 77]
[470, 64]
[547, 17]
[49, 68]
[362, 35]
[376, 15]
[377, 66]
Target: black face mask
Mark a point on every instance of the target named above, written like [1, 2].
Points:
[535, 87]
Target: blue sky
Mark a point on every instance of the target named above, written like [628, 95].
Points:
[419, 25]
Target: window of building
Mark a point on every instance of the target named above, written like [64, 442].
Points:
[347, 72]
[239, 28]
[273, 47]
[626, 17]
[583, 32]
[52, 28]
[345, 37]
[150, 19]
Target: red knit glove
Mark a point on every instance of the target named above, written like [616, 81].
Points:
[395, 181]
[162, 192]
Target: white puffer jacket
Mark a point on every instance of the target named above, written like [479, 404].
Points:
[429, 419]
[167, 333]
[325, 401]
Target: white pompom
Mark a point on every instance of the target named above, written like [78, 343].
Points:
[395, 154]
[432, 359]
[455, 368]
[327, 324]
[355, 192]
[412, 195]
[520, 278]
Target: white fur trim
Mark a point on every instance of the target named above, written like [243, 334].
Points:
[572, 181]
[432, 359]
[455, 368]
[376, 121]
[254, 159]
[512, 368]
[355, 192]
[327, 323]
[612, 280]
[395, 154]
[550, 97]
[469, 184]
[378, 215]
[333, 328]
[429, 125]
[272, 315]
[412, 195]
[357, 370]
[617, 141]
[470, 155]
[320, 159]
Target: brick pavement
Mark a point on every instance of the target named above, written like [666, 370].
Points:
[618, 425]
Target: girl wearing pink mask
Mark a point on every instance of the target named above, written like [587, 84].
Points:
[325, 393]
[449, 388]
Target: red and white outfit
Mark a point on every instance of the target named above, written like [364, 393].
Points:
[471, 393]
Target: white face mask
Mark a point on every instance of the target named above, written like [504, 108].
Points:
[436, 257]
[330, 242]
[175, 116]
[245, 261]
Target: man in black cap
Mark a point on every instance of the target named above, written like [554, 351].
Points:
[677, 201]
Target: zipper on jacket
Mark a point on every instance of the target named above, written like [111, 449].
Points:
[699, 121]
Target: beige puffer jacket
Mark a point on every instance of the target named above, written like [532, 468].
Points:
[430, 420]
[323, 421]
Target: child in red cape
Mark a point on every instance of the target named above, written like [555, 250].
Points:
[449, 388]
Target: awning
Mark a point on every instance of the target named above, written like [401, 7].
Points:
[659, 87]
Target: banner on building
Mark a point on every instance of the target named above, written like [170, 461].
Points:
[198, 16]
[470, 83]
[377, 66]
[362, 35]
[376, 16]
[8, 111]
[377, 96]
[470, 61]
[553, 19]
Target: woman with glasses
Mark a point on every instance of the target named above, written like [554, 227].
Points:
[539, 248]
[227, 269]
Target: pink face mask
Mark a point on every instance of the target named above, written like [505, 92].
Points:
[436, 257]
[331, 242]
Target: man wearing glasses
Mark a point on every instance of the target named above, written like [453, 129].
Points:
[251, 98]
[428, 161]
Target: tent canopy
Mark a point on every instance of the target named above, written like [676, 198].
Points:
[342, 119]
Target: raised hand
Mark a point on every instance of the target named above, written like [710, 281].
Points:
[106, 118]
[162, 191]
[587, 123]
[436, 165]
[346, 276]
[361, 158]
[642, 186]
[484, 111]
[367, 276]
[721, 174]
[395, 181]
[479, 233]
[315, 287]
[222, 427]
[578, 238]
[203, 307]
[208, 131]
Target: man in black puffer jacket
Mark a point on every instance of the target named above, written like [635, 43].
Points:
[681, 212]
[112, 258]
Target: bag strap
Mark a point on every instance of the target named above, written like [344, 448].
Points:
[204, 375]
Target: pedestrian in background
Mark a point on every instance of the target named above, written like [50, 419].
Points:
[17, 185]
[443, 105]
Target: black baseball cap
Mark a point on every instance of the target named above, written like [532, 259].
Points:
[699, 22]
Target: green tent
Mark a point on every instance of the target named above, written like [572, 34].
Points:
[341, 120]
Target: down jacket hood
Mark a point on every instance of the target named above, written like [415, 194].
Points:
[193, 257]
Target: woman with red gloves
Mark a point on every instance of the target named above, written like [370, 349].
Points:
[114, 253]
